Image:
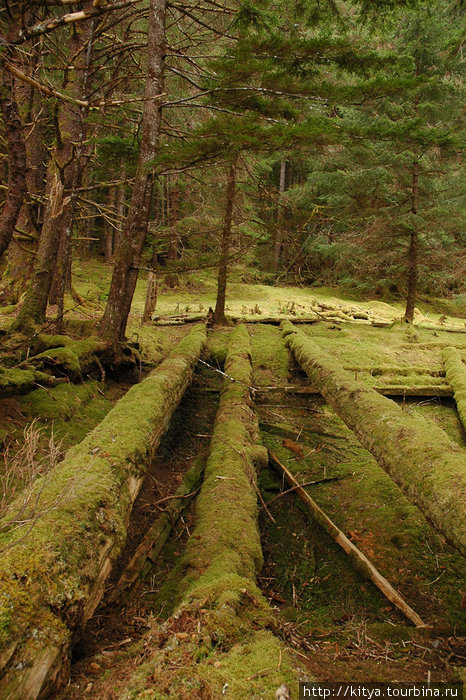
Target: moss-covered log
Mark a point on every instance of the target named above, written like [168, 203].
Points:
[418, 455]
[218, 602]
[225, 553]
[438, 390]
[53, 577]
[455, 370]
[22, 381]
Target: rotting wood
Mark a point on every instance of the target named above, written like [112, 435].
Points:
[418, 455]
[456, 374]
[360, 561]
[157, 535]
[53, 579]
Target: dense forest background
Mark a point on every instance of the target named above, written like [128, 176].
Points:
[316, 143]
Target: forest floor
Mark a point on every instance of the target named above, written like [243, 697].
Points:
[350, 632]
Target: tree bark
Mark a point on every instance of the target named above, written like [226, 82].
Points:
[280, 217]
[61, 191]
[219, 313]
[125, 273]
[17, 165]
[413, 249]
[417, 454]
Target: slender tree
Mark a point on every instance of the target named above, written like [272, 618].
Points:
[125, 274]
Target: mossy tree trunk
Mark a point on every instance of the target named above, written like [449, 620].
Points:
[417, 454]
[61, 188]
[125, 273]
[54, 567]
[219, 313]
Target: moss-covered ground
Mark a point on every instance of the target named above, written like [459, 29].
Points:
[307, 575]
[354, 633]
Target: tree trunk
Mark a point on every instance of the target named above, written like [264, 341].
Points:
[17, 165]
[125, 273]
[417, 454]
[23, 246]
[61, 189]
[120, 210]
[109, 228]
[151, 297]
[219, 314]
[280, 217]
[171, 279]
[413, 249]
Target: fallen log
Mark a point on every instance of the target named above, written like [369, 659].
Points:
[228, 486]
[156, 536]
[57, 556]
[456, 374]
[360, 561]
[418, 455]
[215, 581]
[437, 390]
[14, 382]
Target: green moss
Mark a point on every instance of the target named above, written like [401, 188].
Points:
[418, 455]
[269, 356]
[217, 345]
[61, 557]
[15, 381]
[456, 375]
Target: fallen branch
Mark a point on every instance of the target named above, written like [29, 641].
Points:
[155, 538]
[360, 561]
[307, 483]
